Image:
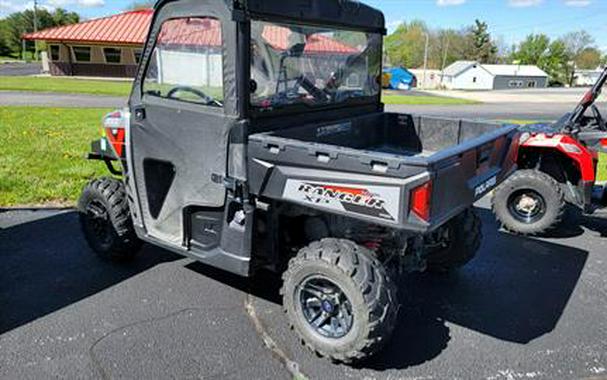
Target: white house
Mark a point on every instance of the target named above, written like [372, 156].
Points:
[427, 79]
[587, 77]
[471, 75]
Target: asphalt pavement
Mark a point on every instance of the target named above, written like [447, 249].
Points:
[53, 99]
[485, 111]
[524, 308]
[20, 68]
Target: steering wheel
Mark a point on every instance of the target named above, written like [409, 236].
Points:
[207, 99]
[598, 117]
[310, 88]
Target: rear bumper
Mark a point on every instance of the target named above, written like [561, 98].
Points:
[586, 193]
[100, 150]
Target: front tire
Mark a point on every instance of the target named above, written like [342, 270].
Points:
[339, 299]
[106, 221]
[530, 202]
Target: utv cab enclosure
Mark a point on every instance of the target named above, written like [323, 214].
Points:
[255, 137]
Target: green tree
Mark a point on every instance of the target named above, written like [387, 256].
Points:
[483, 48]
[446, 47]
[532, 50]
[576, 43]
[552, 57]
[16, 24]
[588, 59]
[62, 17]
[556, 62]
[4, 49]
[405, 47]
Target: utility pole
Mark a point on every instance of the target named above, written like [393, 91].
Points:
[35, 29]
[23, 47]
[426, 60]
[442, 70]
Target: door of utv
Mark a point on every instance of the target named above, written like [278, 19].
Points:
[180, 127]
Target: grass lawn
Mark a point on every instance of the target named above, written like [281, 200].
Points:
[601, 174]
[42, 154]
[4, 58]
[423, 100]
[65, 85]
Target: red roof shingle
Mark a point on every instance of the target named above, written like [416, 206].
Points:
[124, 28]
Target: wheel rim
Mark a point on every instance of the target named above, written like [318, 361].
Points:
[325, 307]
[527, 206]
[98, 222]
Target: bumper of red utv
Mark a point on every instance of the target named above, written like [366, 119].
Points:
[586, 193]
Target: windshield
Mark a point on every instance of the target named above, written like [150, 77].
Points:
[294, 65]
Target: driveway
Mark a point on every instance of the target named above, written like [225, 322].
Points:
[51, 99]
[486, 111]
[537, 95]
[20, 68]
[525, 308]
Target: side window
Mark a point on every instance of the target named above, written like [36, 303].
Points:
[112, 55]
[54, 52]
[137, 55]
[82, 53]
[187, 63]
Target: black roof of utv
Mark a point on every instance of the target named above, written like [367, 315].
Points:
[348, 13]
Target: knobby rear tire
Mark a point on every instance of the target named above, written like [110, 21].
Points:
[365, 282]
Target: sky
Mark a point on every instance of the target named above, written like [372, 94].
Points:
[509, 20]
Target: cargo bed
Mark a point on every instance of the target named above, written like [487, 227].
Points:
[453, 154]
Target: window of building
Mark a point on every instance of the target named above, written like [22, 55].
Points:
[186, 63]
[474, 80]
[137, 55]
[82, 53]
[515, 84]
[112, 55]
[532, 84]
[54, 49]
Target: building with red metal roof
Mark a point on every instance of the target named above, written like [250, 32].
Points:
[108, 46]
[111, 46]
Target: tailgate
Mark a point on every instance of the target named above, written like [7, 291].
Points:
[463, 174]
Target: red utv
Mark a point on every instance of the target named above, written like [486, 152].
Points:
[558, 165]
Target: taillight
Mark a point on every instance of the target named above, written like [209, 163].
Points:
[114, 125]
[420, 200]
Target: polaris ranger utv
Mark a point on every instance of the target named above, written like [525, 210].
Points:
[255, 137]
[558, 165]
